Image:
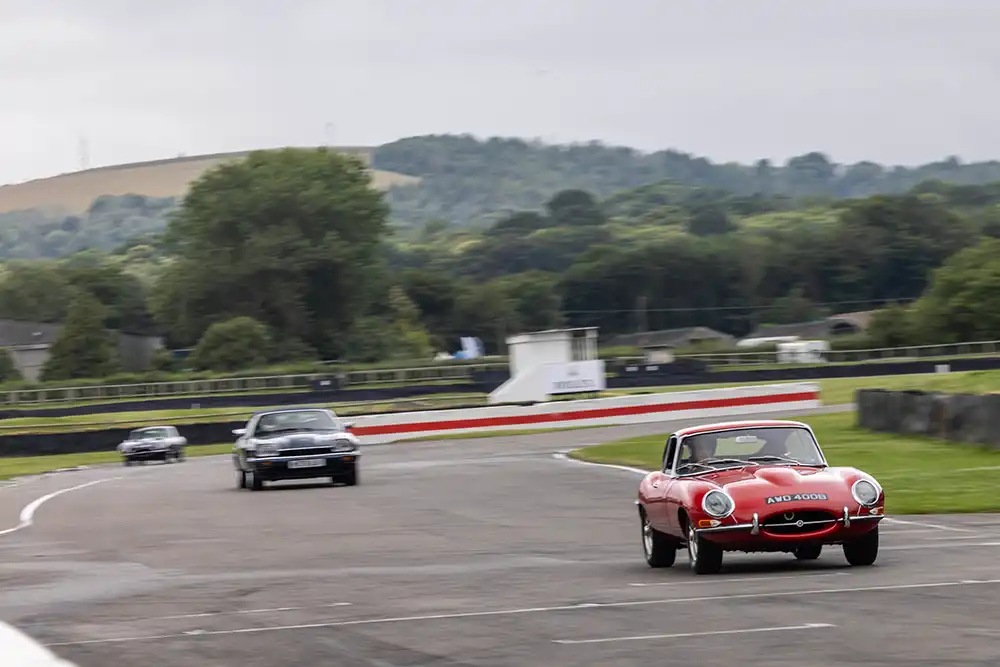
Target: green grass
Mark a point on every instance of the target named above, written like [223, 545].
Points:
[92, 422]
[920, 475]
[833, 392]
[34, 465]
[838, 391]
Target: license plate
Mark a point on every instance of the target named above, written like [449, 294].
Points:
[307, 463]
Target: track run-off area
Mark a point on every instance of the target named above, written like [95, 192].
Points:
[485, 551]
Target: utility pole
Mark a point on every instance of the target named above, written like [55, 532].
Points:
[83, 152]
[641, 314]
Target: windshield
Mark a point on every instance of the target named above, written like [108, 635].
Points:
[781, 445]
[149, 434]
[297, 421]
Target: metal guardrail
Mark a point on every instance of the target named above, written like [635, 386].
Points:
[260, 384]
[461, 372]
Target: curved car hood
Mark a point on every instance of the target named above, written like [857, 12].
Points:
[759, 483]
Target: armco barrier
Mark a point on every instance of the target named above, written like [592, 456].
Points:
[642, 376]
[387, 427]
[968, 418]
[722, 403]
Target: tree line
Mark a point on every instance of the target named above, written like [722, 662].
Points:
[290, 255]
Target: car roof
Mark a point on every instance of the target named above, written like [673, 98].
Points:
[287, 410]
[729, 426]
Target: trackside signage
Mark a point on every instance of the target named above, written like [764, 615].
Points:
[577, 377]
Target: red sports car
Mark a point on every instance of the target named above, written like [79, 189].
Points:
[756, 486]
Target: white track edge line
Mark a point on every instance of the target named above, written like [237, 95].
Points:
[27, 517]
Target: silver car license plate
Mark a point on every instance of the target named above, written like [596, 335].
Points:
[307, 463]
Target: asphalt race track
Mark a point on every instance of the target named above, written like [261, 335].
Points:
[478, 552]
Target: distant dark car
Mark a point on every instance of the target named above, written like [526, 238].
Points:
[297, 443]
[153, 443]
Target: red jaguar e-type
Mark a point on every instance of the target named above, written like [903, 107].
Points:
[756, 486]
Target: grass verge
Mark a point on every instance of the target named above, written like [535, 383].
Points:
[34, 465]
[835, 391]
[838, 391]
[101, 421]
[920, 475]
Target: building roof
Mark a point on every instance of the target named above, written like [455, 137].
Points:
[857, 321]
[668, 337]
[17, 333]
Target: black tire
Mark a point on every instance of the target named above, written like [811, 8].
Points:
[127, 463]
[351, 476]
[808, 551]
[255, 482]
[705, 557]
[179, 456]
[864, 550]
[241, 479]
[659, 549]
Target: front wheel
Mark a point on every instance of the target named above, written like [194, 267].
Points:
[659, 549]
[351, 478]
[241, 479]
[864, 550]
[704, 556]
[254, 481]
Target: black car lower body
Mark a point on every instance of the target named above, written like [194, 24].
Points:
[165, 455]
[338, 468]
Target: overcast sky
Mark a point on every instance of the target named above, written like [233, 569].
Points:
[903, 81]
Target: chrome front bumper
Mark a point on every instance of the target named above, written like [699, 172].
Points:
[754, 526]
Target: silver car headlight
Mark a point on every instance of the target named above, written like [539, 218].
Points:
[268, 449]
[342, 445]
[718, 504]
[865, 492]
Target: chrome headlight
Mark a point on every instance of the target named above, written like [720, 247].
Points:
[718, 504]
[268, 449]
[342, 445]
[865, 492]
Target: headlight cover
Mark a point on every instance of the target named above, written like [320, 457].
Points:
[267, 449]
[865, 492]
[342, 445]
[718, 504]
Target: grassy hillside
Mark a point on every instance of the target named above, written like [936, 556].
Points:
[73, 193]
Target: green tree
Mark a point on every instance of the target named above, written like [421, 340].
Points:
[232, 345]
[290, 238]
[8, 371]
[962, 303]
[34, 291]
[84, 348]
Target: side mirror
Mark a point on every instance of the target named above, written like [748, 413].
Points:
[348, 425]
[239, 431]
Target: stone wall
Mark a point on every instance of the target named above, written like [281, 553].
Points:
[970, 418]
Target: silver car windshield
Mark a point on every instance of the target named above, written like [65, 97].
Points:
[781, 445]
[297, 421]
[149, 434]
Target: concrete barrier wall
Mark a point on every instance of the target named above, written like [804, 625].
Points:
[970, 418]
[634, 409]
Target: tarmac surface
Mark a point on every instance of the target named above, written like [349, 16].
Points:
[485, 551]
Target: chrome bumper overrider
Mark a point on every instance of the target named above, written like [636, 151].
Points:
[754, 526]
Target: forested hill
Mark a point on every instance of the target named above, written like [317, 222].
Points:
[471, 182]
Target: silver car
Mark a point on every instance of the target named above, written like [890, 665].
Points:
[297, 443]
[153, 443]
